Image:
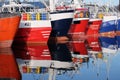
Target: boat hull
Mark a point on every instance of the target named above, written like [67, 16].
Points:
[118, 27]
[37, 32]
[9, 26]
[118, 21]
[109, 24]
[61, 24]
[78, 28]
[93, 27]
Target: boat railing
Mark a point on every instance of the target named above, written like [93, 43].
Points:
[35, 16]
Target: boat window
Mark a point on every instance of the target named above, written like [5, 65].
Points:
[5, 10]
[28, 9]
[82, 14]
[11, 8]
[22, 9]
[16, 9]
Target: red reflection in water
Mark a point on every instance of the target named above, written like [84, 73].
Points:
[8, 65]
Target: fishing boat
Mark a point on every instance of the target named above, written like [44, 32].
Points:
[95, 22]
[80, 20]
[9, 69]
[60, 20]
[35, 24]
[94, 27]
[9, 23]
[109, 24]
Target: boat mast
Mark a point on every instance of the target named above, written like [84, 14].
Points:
[77, 3]
[10, 1]
[52, 5]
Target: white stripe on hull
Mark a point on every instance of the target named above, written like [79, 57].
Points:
[109, 18]
[59, 16]
[78, 19]
[94, 20]
[35, 24]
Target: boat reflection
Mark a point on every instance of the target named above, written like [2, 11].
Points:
[109, 44]
[8, 66]
[103, 57]
[94, 48]
[60, 58]
[51, 59]
[100, 51]
[79, 51]
[118, 41]
[32, 58]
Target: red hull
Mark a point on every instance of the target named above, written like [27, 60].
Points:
[93, 34]
[79, 27]
[8, 66]
[93, 28]
[33, 35]
[78, 30]
[9, 25]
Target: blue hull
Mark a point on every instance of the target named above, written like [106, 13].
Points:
[118, 25]
[118, 29]
[108, 26]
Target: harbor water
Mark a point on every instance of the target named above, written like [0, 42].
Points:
[71, 60]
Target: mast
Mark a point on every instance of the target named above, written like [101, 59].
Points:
[52, 5]
[77, 3]
[10, 1]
